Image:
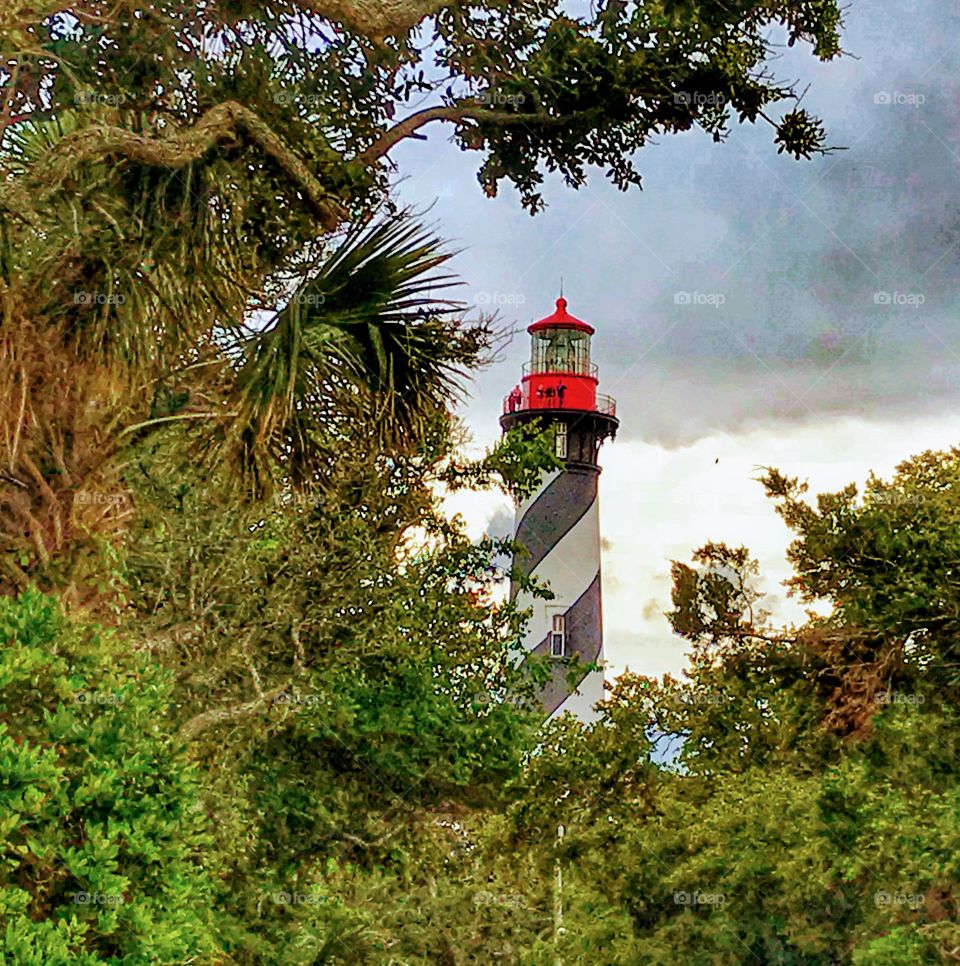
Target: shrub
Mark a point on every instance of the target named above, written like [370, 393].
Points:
[101, 832]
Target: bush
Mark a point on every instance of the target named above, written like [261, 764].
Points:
[101, 832]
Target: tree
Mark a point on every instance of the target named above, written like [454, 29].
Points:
[359, 342]
[226, 365]
[523, 82]
[171, 170]
[342, 678]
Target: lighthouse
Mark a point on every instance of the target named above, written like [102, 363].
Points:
[558, 526]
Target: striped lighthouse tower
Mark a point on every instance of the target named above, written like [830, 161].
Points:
[559, 526]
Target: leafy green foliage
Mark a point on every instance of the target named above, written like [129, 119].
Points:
[784, 803]
[100, 822]
[155, 208]
[368, 323]
[571, 93]
[515, 464]
[326, 645]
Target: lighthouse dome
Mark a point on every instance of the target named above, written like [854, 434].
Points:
[559, 375]
[561, 319]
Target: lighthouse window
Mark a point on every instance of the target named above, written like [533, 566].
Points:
[561, 441]
[557, 636]
[564, 356]
[561, 350]
[581, 354]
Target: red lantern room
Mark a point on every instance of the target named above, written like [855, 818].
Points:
[559, 382]
[559, 374]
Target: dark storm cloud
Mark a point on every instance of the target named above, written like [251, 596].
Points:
[832, 285]
[741, 286]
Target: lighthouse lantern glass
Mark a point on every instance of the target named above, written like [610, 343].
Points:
[561, 350]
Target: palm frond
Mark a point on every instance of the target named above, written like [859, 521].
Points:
[367, 336]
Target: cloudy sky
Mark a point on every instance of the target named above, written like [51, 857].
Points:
[750, 310]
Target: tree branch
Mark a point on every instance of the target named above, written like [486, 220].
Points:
[183, 146]
[368, 845]
[207, 719]
[449, 112]
[375, 19]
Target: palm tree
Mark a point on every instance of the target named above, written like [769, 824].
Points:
[127, 292]
[365, 336]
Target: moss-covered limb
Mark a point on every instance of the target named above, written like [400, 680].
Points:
[375, 19]
[183, 146]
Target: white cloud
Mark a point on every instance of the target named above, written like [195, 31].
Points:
[658, 505]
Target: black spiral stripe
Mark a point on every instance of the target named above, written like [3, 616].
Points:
[553, 514]
[584, 641]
